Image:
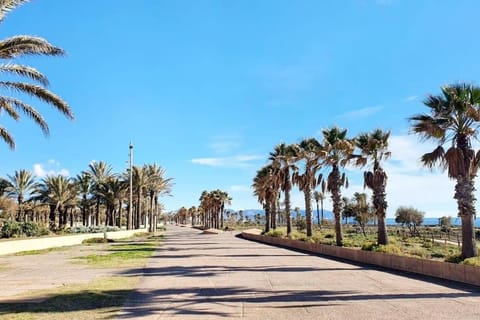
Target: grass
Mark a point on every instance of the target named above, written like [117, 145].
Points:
[42, 251]
[126, 254]
[100, 299]
[398, 245]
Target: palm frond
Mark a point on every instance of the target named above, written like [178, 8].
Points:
[27, 45]
[436, 157]
[8, 5]
[7, 138]
[27, 110]
[40, 93]
[24, 71]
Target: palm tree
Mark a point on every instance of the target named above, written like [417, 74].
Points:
[374, 148]
[283, 156]
[59, 193]
[336, 152]
[22, 46]
[84, 184]
[263, 189]
[99, 172]
[307, 181]
[157, 185]
[21, 184]
[453, 119]
[319, 197]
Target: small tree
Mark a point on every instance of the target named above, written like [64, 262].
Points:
[410, 217]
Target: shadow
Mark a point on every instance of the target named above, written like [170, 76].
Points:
[207, 301]
[208, 271]
[81, 301]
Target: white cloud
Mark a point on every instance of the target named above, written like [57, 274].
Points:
[411, 98]
[360, 113]
[239, 161]
[52, 167]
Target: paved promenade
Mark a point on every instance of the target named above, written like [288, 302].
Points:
[199, 276]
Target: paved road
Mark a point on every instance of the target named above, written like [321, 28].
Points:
[199, 276]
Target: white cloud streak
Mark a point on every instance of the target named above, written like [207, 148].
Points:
[51, 168]
[360, 113]
[239, 161]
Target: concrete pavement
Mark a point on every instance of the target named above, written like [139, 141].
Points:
[200, 276]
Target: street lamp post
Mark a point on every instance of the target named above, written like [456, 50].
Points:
[130, 203]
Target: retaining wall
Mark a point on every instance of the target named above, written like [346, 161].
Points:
[14, 246]
[438, 269]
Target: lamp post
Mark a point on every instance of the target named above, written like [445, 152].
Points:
[130, 203]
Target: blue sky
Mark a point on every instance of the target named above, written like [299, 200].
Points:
[206, 89]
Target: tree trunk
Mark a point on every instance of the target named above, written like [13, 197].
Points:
[318, 214]
[150, 213]
[465, 200]
[337, 203]
[308, 209]
[321, 204]
[267, 218]
[51, 217]
[287, 208]
[273, 219]
[97, 213]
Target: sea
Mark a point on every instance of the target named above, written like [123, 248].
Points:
[390, 221]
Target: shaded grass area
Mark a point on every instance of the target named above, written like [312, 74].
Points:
[124, 253]
[42, 251]
[100, 299]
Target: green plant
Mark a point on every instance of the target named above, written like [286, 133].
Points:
[11, 229]
[30, 229]
[275, 233]
[368, 246]
[454, 258]
[389, 248]
[474, 261]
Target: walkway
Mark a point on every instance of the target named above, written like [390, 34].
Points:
[199, 276]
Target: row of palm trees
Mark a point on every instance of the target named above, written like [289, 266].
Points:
[92, 192]
[453, 119]
[209, 214]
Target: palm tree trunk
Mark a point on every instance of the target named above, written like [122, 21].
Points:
[274, 213]
[321, 204]
[318, 214]
[97, 214]
[337, 204]
[267, 217]
[288, 209]
[465, 200]
[381, 206]
[308, 209]
[150, 217]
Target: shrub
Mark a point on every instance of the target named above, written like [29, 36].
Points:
[329, 236]
[301, 224]
[30, 229]
[11, 229]
[389, 248]
[368, 246]
[418, 252]
[275, 233]
[474, 261]
[454, 258]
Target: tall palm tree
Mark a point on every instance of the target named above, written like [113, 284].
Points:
[157, 184]
[99, 173]
[453, 119]
[140, 183]
[374, 148]
[284, 156]
[84, 184]
[336, 152]
[308, 152]
[22, 183]
[319, 197]
[263, 189]
[19, 47]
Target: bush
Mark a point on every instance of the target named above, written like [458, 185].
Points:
[301, 224]
[11, 229]
[368, 246]
[454, 258]
[275, 233]
[418, 252]
[389, 248]
[30, 229]
[474, 261]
